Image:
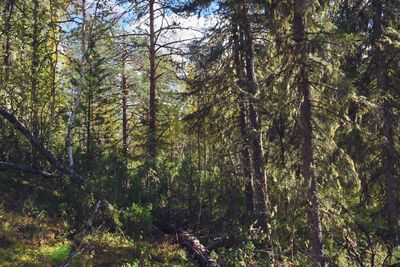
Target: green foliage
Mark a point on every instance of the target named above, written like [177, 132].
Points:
[136, 219]
[60, 254]
[241, 256]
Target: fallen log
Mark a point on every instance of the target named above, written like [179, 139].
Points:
[199, 252]
[78, 240]
[186, 240]
[60, 166]
[26, 169]
[66, 170]
[193, 245]
[190, 242]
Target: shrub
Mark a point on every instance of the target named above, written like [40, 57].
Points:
[136, 219]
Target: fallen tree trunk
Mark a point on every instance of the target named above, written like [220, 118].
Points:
[57, 164]
[27, 169]
[188, 241]
[41, 149]
[200, 252]
[78, 240]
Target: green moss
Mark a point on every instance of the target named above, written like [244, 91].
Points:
[60, 254]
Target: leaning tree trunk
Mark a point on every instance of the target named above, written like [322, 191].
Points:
[388, 149]
[41, 149]
[314, 218]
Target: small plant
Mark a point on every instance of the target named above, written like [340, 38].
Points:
[136, 219]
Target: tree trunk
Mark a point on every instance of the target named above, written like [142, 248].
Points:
[34, 70]
[54, 61]
[315, 229]
[7, 15]
[388, 149]
[152, 137]
[200, 252]
[79, 89]
[256, 140]
[124, 91]
[40, 148]
[243, 126]
[89, 153]
[6, 56]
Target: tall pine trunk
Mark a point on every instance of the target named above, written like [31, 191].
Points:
[314, 218]
[243, 125]
[258, 162]
[54, 61]
[152, 135]
[125, 124]
[124, 93]
[388, 149]
[34, 70]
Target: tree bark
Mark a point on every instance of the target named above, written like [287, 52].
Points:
[243, 125]
[7, 16]
[258, 162]
[54, 61]
[388, 149]
[152, 135]
[314, 218]
[89, 115]
[34, 70]
[79, 89]
[200, 252]
[6, 56]
[124, 93]
[190, 242]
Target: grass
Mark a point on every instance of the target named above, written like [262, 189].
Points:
[28, 241]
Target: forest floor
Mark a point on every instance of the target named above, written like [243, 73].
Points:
[36, 240]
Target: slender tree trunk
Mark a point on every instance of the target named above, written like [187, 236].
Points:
[152, 138]
[7, 16]
[388, 149]
[260, 181]
[314, 218]
[89, 137]
[125, 125]
[79, 89]
[191, 186]
[34, 70]
[54, 61]
[243, 126]
[124, 91]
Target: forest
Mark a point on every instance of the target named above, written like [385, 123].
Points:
[199, 133]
